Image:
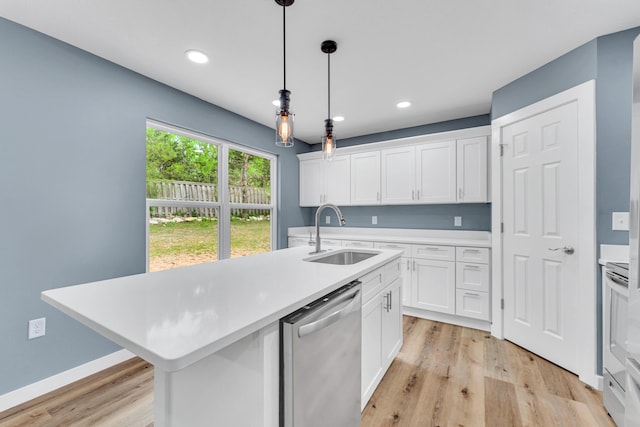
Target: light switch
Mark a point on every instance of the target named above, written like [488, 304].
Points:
[620, 221]
[374, 220]
[457, 221]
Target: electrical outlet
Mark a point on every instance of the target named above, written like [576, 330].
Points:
[457, 221]
[37, 327]
[620, 221]
[374, 220]
[327, 219]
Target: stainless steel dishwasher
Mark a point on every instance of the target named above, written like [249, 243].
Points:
[320, 361]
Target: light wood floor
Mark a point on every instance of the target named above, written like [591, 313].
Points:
[444, 376]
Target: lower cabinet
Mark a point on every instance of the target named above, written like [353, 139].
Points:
[434, 285]
[381, 325]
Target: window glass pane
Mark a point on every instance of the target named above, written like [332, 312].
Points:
[249, 178]
[250, 232]
[181, 236]
[181, 170]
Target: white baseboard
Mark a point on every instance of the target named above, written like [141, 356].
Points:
[467, 322]
[37, 389]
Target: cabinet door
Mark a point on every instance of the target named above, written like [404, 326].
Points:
[472, 170]
[337, 174]
[434, 286]
[365, 178]
[405, 276]
[371, 355]
[311, 182]
[398, 176]
[391, 322]
[436, 172]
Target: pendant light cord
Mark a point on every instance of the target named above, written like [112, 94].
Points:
[329, 86]
[284, 44]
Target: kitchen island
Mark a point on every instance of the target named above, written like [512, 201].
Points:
[211, 330]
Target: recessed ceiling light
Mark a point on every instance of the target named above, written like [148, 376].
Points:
[197, 56]
[403, 104]
[276, 102]
[338, 119]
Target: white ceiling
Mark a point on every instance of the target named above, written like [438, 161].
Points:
[446, 57]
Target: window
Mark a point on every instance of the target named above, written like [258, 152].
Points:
[207, 199]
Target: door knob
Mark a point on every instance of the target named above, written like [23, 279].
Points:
[566, 249]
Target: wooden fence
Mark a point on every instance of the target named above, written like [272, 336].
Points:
[185, 191]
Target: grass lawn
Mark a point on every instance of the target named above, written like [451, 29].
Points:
[187, 243]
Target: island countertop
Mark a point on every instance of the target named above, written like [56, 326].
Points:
[174, 318]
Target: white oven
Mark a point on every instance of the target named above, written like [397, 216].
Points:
[616, 294]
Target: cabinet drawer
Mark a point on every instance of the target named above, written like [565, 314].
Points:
[330, 243]
[472, 304]
[443, 253]
[391, 272]
[473, 277]
[395, 246]
[298, 241]
[466, 254]
[357, 244]
[371, 284]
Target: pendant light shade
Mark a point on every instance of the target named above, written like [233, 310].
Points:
[284, 117]
[329, 138]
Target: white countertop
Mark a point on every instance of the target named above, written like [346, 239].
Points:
[399, 235]
[176, 317]
[613, 253]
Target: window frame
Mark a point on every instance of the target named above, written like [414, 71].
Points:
[222, 204]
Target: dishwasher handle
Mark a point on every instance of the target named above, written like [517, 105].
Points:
[342, 310]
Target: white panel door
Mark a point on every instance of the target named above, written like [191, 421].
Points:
[365, 178]
[337, 174]
[398, 175]
[436, 172]
[472, 170]
[540, 214]
[311, 182]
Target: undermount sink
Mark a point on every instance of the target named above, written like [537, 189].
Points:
[343, 257]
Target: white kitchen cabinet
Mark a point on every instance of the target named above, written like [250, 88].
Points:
[391, 335]
[398, 175]
[472, 170]
[311, 182]
[365, 178]
[436, 172]
[298, 241]
[357, 244]
[381, 325]
[323, 181]
[472, 304]
[472, 277]
[473, 283]
[434, 285]
[405, 267]
[371, 344]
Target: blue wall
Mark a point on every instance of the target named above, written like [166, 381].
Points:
[608, 60]
[475, 216]
[72, 168]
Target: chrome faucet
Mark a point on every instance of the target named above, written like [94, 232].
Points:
[318, 212]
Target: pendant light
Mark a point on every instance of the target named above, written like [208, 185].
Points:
[328, 139]
[284, 117]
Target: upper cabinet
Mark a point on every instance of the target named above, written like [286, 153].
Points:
[324, 181]
[438, 168]
[365, 178]
[472, 170]
[436, 172]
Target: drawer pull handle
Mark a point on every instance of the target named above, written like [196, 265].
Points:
[475, 251]
[471, 294]
[475, 267]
